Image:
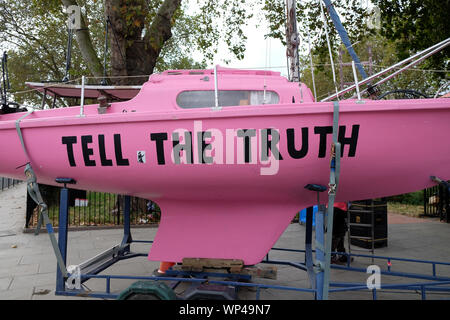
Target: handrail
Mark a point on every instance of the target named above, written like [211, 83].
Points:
[439, 46]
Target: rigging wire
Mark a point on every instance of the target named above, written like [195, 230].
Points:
[329, 48]
[312, 68]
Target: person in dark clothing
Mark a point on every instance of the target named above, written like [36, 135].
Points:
[339, 231]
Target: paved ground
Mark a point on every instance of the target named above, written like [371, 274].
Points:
[28, 266]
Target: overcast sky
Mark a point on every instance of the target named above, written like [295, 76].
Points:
[260, 53]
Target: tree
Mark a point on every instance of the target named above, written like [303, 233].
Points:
[416, 25]
[144, 35]
[153, 35]
[311, 25]
[377, 53]
[384, 51]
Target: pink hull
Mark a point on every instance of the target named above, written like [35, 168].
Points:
[233, 211]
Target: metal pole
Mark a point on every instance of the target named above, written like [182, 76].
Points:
[320, 252]
[292, 42]
[373, 229]
[103, 82]
[412, 64]
[356, 80]
[54, 101]
[127, 239]
[312, 68]
[349, 235]
[329, 48]
[62, 235]
[341, 73]
[43, 99]
[216, 90]
[4, 91]
[308, 246]
[82, 97]
[344, 36]
[69, 54]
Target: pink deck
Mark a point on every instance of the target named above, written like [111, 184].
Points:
[232, 209]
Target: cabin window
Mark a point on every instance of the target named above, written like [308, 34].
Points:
[206, 99]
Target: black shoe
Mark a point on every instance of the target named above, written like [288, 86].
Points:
[344, 258]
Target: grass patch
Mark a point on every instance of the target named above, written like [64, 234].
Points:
[411, 210]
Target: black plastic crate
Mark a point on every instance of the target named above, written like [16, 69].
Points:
[367, 243]
[361, 213]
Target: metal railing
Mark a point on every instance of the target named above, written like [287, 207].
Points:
[6, 183]
[436, 202]
[90, 208]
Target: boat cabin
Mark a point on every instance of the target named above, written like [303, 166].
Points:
[191, 89]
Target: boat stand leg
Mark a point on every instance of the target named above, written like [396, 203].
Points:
[327, 253]
[127, 239]
[62, 235]
[320, 252]
[324, 231]
[308, 247]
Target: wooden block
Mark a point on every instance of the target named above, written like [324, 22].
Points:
[268, 272]
[197, 264]
[212, 265]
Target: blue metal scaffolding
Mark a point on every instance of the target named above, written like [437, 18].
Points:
[92, 268]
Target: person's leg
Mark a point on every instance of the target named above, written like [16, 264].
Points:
[340, 244]
[334, 245]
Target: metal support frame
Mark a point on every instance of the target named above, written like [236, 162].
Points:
[101, 261]
[44, 98]
[83, 79]
[62, 234]
[91, 268]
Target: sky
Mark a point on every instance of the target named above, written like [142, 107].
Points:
[260, 53]
[268, 54]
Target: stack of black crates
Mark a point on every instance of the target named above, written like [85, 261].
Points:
[368, 223]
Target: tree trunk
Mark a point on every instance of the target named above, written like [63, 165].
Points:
[133, 54]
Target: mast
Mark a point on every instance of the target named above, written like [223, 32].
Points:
[292, 42]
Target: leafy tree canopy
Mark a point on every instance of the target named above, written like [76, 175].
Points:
[416, 25]
[153, 35]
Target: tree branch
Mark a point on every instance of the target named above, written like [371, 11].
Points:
[160, 29]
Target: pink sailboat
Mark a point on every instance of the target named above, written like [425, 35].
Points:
[226, 154]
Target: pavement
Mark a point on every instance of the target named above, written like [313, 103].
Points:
[28, 265]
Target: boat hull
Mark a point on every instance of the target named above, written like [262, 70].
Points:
[220, 196]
